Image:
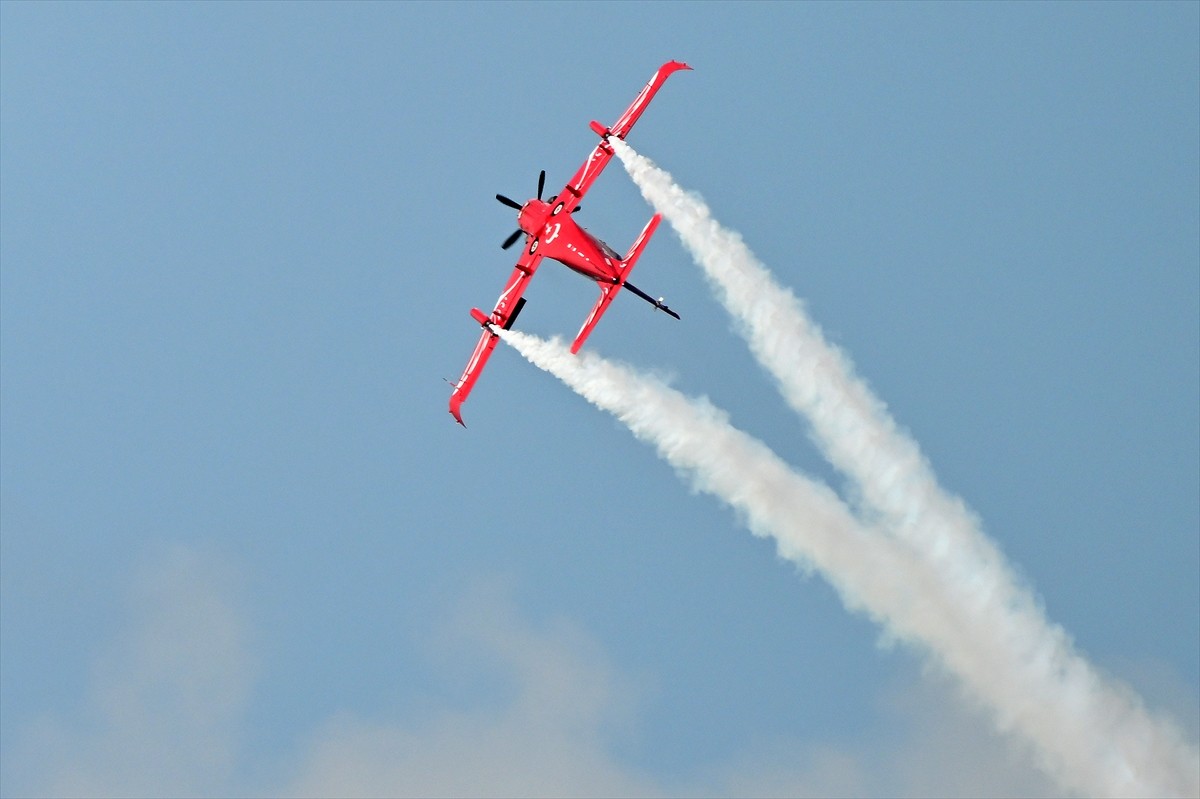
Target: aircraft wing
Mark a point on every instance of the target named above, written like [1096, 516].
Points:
[505, 313]
[586, 175]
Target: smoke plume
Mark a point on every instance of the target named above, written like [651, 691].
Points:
[955, 594]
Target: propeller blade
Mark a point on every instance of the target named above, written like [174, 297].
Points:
[508, 202]
[516, 234]
[576, 209]
[541, 183]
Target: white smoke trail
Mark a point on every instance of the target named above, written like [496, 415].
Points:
[811, 526]
[1093, 736]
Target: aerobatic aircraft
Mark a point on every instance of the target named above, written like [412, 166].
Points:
[550, 232]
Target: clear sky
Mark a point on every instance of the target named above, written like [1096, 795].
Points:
[245, 549]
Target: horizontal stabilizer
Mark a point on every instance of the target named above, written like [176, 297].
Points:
[639, 244]
[609, 290]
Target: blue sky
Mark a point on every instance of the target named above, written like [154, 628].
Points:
[244, 547]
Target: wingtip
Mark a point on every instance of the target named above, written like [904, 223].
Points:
[455, 412]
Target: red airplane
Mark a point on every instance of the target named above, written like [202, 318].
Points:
[551, 232]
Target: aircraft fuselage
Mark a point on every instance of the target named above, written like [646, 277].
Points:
[554, 234]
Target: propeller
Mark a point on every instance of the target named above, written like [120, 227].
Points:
[516, 234]
[512, 239]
